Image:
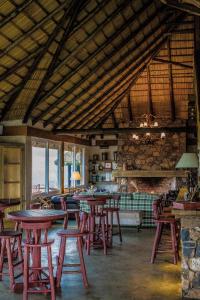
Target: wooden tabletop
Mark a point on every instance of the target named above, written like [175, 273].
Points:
[35, 215]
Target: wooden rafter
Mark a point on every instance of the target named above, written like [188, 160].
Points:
[73, 12]
[171, 88]
[81, 114]
[78, 84]
[119, 130]
[166, 61]
[18, 9]
[93, 55]
[125, 55]
[130, 111]
[149, 100]
[31, 69]
[197, 65]
[190, 6]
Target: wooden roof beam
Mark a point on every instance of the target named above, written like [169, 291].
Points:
[171, 88]
[197, 66]
[73, 12]
[189, 6]
[119, 130]
[166, 61]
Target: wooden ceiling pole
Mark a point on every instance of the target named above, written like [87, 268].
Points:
[77, 85]
[165, 61]
[114, 120]
[190, 6]
[74, 10]
[171, 88]
[149, 99]
[130, 111]
[92, 56]
[12, 15]
[31, 70]
[197, 67]
[107, 82]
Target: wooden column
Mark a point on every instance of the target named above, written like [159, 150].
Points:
[62, 177]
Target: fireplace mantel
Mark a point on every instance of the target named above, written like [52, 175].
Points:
[149, 173]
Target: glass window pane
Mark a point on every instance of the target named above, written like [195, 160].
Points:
[68, 167]
[38, 170]
[54, 169]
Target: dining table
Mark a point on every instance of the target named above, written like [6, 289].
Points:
[36, 216]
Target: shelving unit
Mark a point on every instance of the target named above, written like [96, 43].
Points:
[11, 172]
[99, 173]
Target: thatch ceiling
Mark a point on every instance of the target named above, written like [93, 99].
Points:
[89, 63]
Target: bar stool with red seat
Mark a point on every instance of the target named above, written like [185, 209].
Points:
[98, 232]
[111, 209]
[8, 239]
[161, 223]
[73, 211]
[36, 278]
[72, 233]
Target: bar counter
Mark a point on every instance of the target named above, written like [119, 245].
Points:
[190, 258]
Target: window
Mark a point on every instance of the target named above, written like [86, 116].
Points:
[45, 167]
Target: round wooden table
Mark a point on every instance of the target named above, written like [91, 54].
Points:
[36, 216]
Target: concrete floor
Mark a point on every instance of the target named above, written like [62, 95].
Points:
[125, 273]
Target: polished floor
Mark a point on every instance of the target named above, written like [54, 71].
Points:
[124, 274]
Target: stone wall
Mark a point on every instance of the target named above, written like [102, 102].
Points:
[162, 154]
[190, 240]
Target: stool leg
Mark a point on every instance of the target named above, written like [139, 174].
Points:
[19, 249]
[65, 222]
[60, 261]
[26, 272]
[156, 242]
[3, 245]
[119, 226]
[104, 235]
[82, 263]
[10, 264]
[111, 227]
[51, 279]
[77, 219]
[88, 241]
[173, 237]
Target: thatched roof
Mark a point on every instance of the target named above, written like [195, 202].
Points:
[84, 64]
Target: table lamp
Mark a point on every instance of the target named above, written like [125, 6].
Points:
[188, 161]
[75, 177]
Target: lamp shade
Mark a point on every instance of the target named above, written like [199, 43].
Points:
[188, 161]
[76, 176]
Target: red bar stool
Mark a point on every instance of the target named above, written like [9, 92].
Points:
[162, 223]
[111, 209]
[78, 234]
[8, 238]
[98, 233]
[69, 211]
[35, 277]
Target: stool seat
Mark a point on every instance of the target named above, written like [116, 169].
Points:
[10, 233]
[111, 209]
[70, 233]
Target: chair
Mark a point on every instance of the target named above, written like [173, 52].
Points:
[78, 234]
[8, 239]
[34, 274]
[111, 209]
[98, 233]
[69, 211]
[164, 222]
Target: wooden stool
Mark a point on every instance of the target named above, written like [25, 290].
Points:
[69, 211]
[162, 223]
[7, 238]
[97, 232]
[32, 247]
[73, 233]
[111, 209]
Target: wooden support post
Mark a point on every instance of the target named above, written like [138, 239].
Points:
[130, 112]
[62, 174]
[150, 103]
[171, 89]
[197, 72]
